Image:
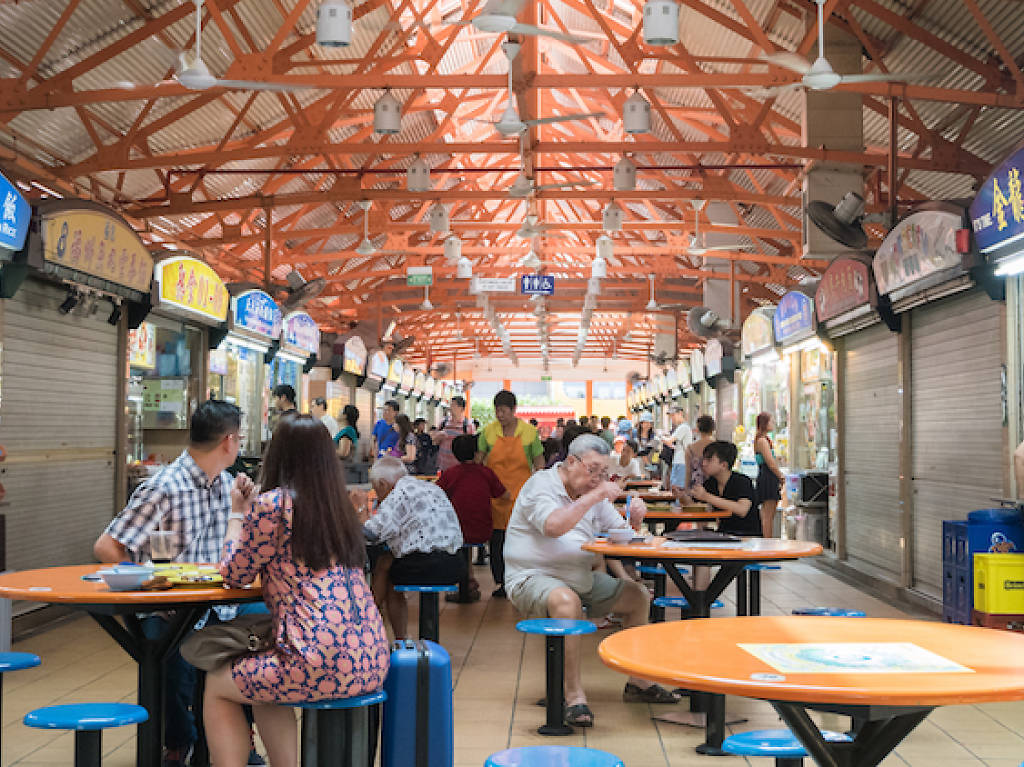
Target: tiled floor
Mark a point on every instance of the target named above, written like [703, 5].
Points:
[498, 677]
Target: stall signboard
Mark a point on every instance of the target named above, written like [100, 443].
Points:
[408, 378]
[697, 366]
[659, 384]
[300, 331]
[142, 347]
[672, 381]
[219, 361]
[395, 371]
[757, 333]
[254, 311]
[353, 356]
[14, 216]
[379, 365]
[922, 244]
[997, 213]
[537, 284]
[100, 245]
[192, 287]
[845, 286]
[713, 354]
[493, 285]
[684, 375]
[429, 387]
[794, 317]
[419, 380]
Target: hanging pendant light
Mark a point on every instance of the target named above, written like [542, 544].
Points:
[365, 248]
[652, 305]
[605, 248]
[387, 114]
[661, 22]
[612, 217]
[599, 268]
[464, 269]
[636, 114]
[334, 24]
[417, 176]
[624, 175]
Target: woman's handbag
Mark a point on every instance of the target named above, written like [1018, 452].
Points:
[215, 646]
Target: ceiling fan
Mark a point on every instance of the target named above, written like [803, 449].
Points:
[531, 227]
[820, 76]
[698, 247]
[510, 124]
[191, 71]
[524, 187]
[499, 17]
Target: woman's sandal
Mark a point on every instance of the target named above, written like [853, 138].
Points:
[579, 715]
[653, 694]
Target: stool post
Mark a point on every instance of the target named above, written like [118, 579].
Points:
[741, 593]
[554, 667]
[467, 560]
[88, 748]
[308, 757]
[714, 731]
[332, 738]
[429, 616]
[755, 591]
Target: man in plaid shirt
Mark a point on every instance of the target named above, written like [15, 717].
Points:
[192, 498]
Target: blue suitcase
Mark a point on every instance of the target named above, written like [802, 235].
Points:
[417, 723]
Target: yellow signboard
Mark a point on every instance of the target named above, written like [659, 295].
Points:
[192, 286]
[142, 347]
[99, 245]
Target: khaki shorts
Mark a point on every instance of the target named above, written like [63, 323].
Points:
[531, 596]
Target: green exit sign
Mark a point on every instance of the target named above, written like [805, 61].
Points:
[419, 280]
[545, 378]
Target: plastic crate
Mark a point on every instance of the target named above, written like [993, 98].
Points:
[995, 531]
[954, 542]
[948, 586]
[999, 583]
[998, 621]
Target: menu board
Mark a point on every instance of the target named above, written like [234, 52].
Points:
[395, 370]
[794, 317]
[164, 403]
[255, 312]
[354, 356]
[300, 331]
[142, 347]
[379, 365]
[918, 246]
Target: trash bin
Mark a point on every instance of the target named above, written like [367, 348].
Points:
[811, 525]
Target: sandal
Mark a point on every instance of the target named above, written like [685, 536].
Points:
[579, 715]
[653, 694]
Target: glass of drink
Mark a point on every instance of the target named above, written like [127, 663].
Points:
[161, 546]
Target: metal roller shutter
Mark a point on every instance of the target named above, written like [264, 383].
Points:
[871, 452]
[59, 378]
[957, 422]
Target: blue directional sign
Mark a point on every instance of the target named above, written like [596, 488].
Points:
[537, 284]
[14, 216]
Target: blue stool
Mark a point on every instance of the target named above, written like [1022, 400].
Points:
[340, 731]
[552, 756]
[430, 611]
[14, 661]
[754, 573]
[555, 630]
[781, 744]
[680, 604]
[656, 574]
[88, 720]
[832, 612]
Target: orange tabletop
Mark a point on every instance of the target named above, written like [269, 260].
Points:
[633, 484]
[706, 655]
[754, 550]
[65, 585]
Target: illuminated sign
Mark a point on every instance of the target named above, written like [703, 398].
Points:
[354, 356]
[14, 216]
[142, 347]
[997, 213]
[395, 371]
[300, 331]
[794, 317]
[256, 312]
[193, 287]
[757, 331]
[379, 365]
[99, 245]
[697, 366]
[844, 286]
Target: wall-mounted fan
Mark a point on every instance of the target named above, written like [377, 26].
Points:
[296, 291]
[842, 222]
[705, 323]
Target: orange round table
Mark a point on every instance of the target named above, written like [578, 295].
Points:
[886, 674]
[650, 496]
[64, 585]
[636, 484]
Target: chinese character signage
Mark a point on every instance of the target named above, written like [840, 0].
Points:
[300, 331]
[492, 285]
[845, 285]
[697, 366]
[794, 317]
[379, 365]
[142, 347]
[997, 213]
[683, 371]
[537, 284]
[14, 216]
[256, 312]
[193, 287]
[757, 331]
[408, 378]
[713, 357]
[354, 356]
[920, 245]
[395, 372]
[97, 244]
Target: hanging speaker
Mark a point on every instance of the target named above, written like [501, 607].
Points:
[437, 217]
[612, 216]
[661, 22]
[334, 24]
[387, 115]
[624, 175]
[417, 176]
[636, 114]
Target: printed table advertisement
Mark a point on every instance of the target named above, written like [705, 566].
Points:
[852, 657]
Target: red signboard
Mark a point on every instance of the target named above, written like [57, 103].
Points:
[844, 286]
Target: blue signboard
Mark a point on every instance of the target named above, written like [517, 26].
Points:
[794, 317]
[537, 284]
[997, 213]
[14, 216]
[256, 312]
[301, 332]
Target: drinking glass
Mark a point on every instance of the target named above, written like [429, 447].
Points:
[161, 546]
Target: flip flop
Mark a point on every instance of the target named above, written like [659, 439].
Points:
[653, 694]
[579, 715]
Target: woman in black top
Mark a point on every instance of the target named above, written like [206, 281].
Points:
[729, 491]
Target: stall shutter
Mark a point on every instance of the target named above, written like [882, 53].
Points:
[57, 418]
[957, 422]
[871, 451]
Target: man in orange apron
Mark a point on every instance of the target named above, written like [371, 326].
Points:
[513, 451]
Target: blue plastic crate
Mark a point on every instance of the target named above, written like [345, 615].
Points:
[954, 542]
[964, 585]
[948, 587]
[994, 531]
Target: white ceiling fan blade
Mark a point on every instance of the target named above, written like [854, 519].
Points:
[532, 31]
[788, 60]
[768, 93]
[502, 7]
[249, 85]
[565, 185]
[124, 85]
[563, 118]
[893, 77]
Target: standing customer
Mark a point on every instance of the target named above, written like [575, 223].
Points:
[345, 441]
[303, 539]
[405, 447]
[769, 476]
[606, 433]
[680, 439]
[695, 458]
[384, 433]
[319, 411]
[455, 425]
[513, 451]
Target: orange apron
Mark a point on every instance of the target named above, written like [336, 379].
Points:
[507, 459]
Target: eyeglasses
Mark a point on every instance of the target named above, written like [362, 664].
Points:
[599, 471]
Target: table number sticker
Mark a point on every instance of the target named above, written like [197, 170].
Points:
[761, 677]
[853, 658]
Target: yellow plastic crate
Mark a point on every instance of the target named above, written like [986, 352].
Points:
[999, 583]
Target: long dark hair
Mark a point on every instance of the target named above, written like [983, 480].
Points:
[351, 413]
[325, 529]
[404, 429]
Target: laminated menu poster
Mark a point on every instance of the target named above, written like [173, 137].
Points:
[853, 658]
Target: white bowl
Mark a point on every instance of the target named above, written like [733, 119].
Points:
[620, 536]
[126, 577]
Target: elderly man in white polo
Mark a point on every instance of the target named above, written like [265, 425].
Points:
[548, 574]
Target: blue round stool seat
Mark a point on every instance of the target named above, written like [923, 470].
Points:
[680, 603]
[552, 756]
[781, 744]
[757, 567]
[651, 570]
[832, 612]
[555, 627]
[16, 661]
[358, 701]
[86, 716]
[431, 589]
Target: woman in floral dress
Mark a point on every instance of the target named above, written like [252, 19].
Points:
[303, 539]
